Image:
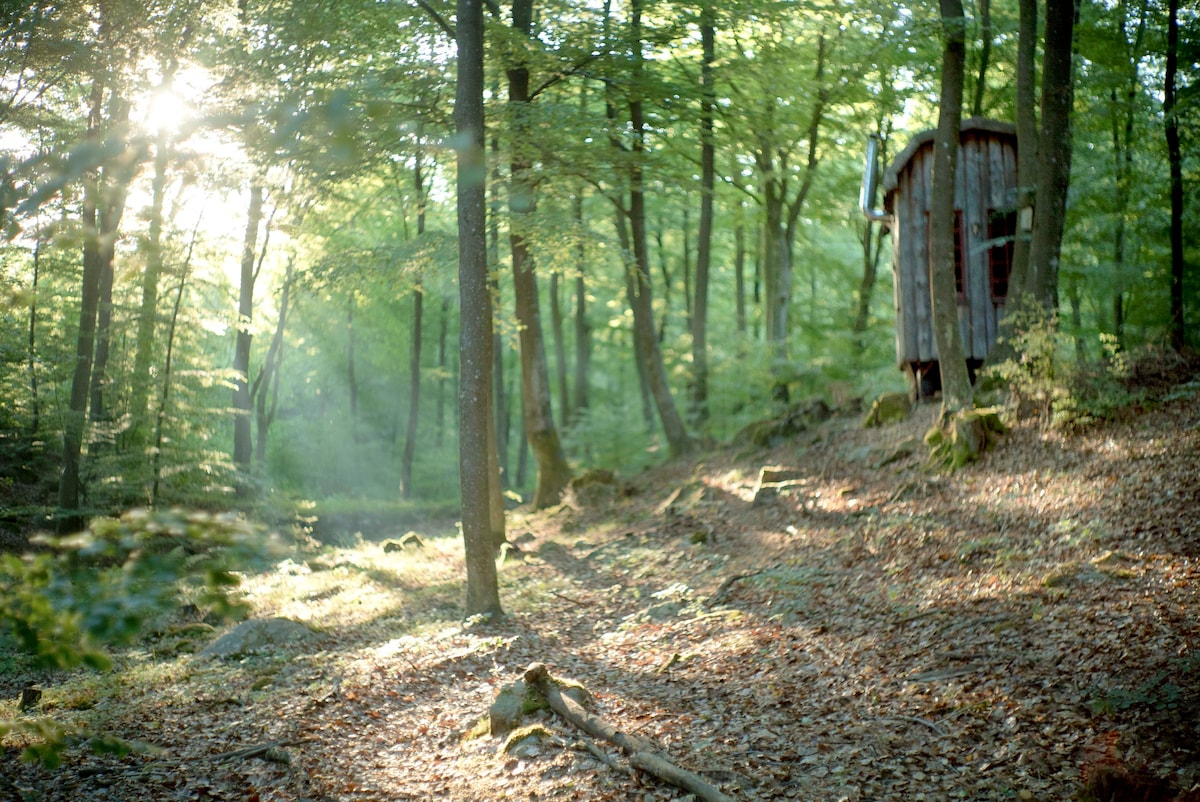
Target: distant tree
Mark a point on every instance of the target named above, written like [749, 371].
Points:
[553, 472]
[1175, 159]
[708, 104]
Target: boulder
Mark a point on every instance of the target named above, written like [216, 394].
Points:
[260, 635]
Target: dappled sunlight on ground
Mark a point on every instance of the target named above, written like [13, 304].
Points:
[874, 633]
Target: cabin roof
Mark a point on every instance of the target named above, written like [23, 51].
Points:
[891, 177]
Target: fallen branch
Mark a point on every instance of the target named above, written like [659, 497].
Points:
[642, 753]
[719, 596]
[272, 752]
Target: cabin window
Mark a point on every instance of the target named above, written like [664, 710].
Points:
[1002, 229]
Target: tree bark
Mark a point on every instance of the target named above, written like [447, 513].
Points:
[414, 358]
[704, 245]
[956, 383]
[583, 332]
[148, 312]
[1175, 160]
[70, 519]
[475, 338]
[553, 472]
[267, 381]
[1027, 149]
[241, 355]
[985, 55]
[678, 441]
[1054, 155]
[111, 208]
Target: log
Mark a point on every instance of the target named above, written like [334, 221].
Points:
[642, 753]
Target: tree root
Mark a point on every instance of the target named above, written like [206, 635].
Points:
[642, 753]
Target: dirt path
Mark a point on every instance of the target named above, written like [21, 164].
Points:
[993, 635]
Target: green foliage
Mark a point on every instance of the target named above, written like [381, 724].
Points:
[1046, 380]
[83, 593]
[68, 603]
[611, 437]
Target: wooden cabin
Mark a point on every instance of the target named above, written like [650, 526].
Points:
[984, 222]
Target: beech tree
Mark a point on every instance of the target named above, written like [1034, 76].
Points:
[475, 339]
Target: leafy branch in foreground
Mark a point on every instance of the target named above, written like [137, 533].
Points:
[68, 603]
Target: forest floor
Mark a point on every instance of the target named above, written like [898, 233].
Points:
[872, 632]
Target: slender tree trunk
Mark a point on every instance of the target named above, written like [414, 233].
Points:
[34, 400]
[475, 301]
[69, 486]
[630, 275]
[678, 441]
[443, 371]
[165, 397]
[1175, 160]
[352, 365]
[500, 395]
[739, 273]
[267, 382]
[956, 384]
[110, 209]
[557, 327]
[1122, 136]
[241, 356]
[1027, 149]
[704, 245]
[1054, 154]
[553, 471]
[414, 359]
[583, 332]
[985, 55]
[148, 312]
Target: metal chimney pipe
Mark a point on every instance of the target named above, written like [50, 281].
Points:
[866, 195]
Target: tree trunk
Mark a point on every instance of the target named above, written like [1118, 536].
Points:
[475, 338]
[1122, 136]
[956, 384]
[630, 275]
[678, 442]
[499, 395]
[241, 355]
[739, 273]
[148, 312]
[32, 357]
[1054, 155]
[414, 359]
[985, 54]
[110, 209]
[443, 371]
[553, 471]
[704, 245]
[267, 382]
[782, 212]
[583, 332]
[1027, 149]
[557, 325]
[70, 519]
[1175, 160]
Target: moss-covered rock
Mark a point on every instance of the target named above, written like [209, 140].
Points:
[888, 408]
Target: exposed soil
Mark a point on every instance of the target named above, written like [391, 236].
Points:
[871, 633]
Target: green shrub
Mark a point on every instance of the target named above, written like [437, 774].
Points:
[1045, 380]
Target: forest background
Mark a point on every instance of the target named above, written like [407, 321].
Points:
[230, 253]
